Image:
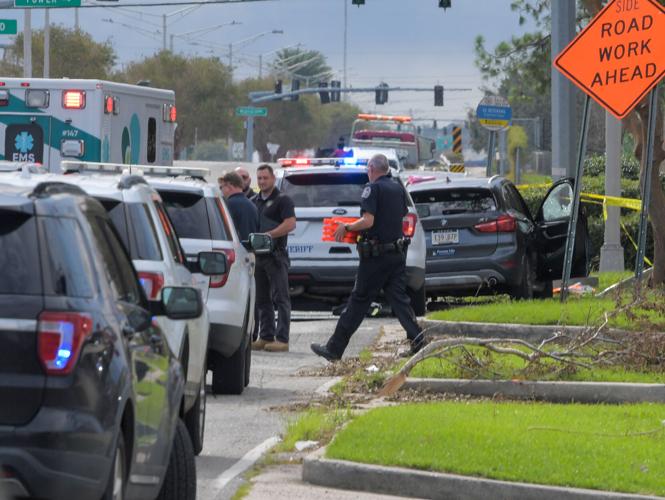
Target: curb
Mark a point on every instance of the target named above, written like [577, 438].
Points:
[530, 333]
[555, 392]
[420, 484]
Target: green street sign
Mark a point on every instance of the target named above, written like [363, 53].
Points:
[46, 4]
[8, 27]
[251, 111]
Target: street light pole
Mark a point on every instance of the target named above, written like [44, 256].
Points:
[47, 43]
[27, 43]
[346, 36]
[163, 31]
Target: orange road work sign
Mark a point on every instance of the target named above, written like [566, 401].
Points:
[620, 56]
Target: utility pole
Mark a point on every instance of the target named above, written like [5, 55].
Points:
[563, 95]
[171, 42]
[163, 31]
[231, 60]
[77, 26]
[346, 37]
[47, 43]
[27, 43]
[611, 253]
[260, 66]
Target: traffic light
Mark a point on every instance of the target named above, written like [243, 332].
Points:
[358, 2]
[324, 94]
[335, 95]
[295, 85]
[278, 86]
[381, 96]
[444, 4]
[438, 95]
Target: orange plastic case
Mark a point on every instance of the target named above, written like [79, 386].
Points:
[330, 225]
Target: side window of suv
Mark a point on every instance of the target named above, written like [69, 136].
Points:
[174, 244]
[68, 269]
[117, 268]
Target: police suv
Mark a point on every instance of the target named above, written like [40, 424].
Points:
[323, 272]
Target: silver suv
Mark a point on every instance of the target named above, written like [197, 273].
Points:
[203, 223]
[323, 271]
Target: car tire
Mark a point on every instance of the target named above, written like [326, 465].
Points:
[180, 480]
[248, 363]
[228, 374]
[418, 300]
[195, 417]
[524, 290]
[115, 488]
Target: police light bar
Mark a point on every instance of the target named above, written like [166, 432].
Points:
[385, 118]
[70, 166]
[322, 162]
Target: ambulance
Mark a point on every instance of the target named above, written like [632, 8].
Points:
[44, 121]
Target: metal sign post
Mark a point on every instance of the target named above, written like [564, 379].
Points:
[490, 153]
[249, 143]
[572, 224]
[646, 183]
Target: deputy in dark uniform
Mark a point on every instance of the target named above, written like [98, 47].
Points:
[382, 252]
[277, 218]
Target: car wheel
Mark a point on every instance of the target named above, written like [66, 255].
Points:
[228, 374]
[115, 488]
[524, 290]
[180, 480]
[196, 416]
[418, 300]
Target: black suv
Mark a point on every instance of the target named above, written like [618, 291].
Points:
[482, 238]
[90, 394]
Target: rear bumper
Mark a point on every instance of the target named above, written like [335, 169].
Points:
[67, 459]
[225, 339]
[497, 271]
[338, 281]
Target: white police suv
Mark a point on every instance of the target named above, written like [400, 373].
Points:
[323, 272]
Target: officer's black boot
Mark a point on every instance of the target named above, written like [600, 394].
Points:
[324, 352]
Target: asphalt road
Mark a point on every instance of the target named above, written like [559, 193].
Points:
[238, 426]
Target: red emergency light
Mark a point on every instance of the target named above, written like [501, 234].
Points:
[73, 99]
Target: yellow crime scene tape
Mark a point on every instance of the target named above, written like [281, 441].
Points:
[605, 201]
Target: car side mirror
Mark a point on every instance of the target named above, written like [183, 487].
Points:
[212, 263]
[423, 211]
[261, 243]
[182, 302]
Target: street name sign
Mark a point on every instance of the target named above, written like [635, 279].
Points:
[8, 27]
[46, 4]
[620, 56]
[251, 111]
[494, 112]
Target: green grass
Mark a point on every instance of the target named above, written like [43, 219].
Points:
[608, 279]
[533, 178]
[588, 446]
[578, 311]
[507, 367]
[312, 425]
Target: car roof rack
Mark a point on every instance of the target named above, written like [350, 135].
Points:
[70, 166]
[49, 188]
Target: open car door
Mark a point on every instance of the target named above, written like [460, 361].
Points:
[552, 229]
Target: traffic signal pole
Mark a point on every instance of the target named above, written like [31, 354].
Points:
[259, 97]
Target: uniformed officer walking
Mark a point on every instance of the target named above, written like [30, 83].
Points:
[382, 252]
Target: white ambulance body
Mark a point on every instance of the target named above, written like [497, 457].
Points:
[46, 120]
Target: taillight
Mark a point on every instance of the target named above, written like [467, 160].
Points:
[504, 224]
[152, 284]
[60, 336]
[409, 225]
[73, 99]
[219, 280]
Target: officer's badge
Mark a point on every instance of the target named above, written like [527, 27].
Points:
[366, 192]
[269, 204]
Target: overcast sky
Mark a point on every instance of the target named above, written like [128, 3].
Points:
[401, 42]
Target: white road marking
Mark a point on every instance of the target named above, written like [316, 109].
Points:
[243, 464]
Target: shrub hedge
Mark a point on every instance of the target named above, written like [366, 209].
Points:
[594, 182]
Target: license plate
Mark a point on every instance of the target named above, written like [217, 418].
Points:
[449, 237]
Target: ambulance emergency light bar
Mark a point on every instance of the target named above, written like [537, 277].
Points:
[120, 168]
[322, 162]
[384, 118]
